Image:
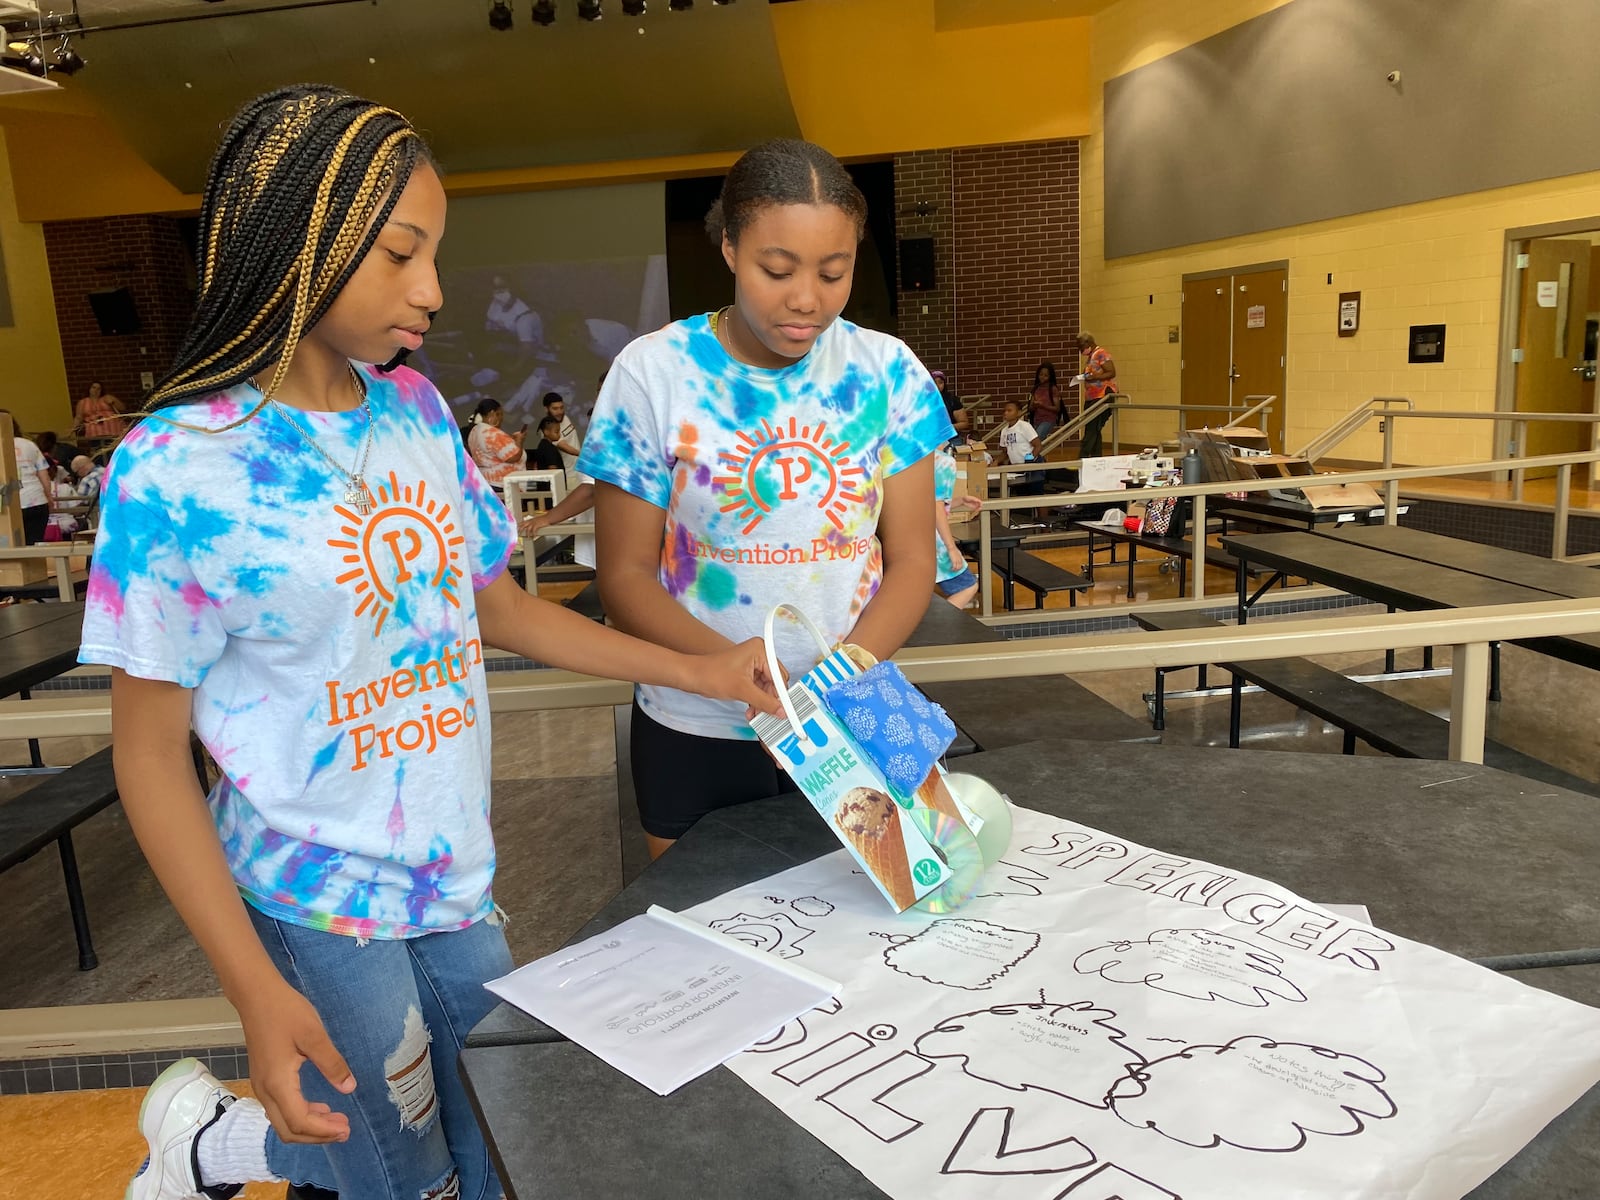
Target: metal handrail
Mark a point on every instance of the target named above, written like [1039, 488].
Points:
[1265, 405]
[1069, 430]
[1346, 425]
[1388, 476]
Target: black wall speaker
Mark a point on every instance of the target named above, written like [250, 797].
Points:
[115, 311]
[916, 264]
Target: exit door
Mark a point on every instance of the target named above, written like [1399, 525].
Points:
[1235, 343]
[1553, 305]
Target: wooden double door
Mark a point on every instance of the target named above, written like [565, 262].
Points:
[1235, 340]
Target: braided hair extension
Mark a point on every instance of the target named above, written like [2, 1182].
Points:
[783, 171]
[301, 183]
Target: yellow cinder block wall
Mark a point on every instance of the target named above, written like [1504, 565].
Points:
[1440, 261]
[35, 387]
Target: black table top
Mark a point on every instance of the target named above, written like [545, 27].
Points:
[1508, 566]
[1300, 512]
[946, 625]
[1404, 583]
[36, 647]
[1439, 852]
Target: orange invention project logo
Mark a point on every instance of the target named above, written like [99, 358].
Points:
[406, 541]
[777, 460]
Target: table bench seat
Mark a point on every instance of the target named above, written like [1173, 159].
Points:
[49, 812]
[1179, 548]
[1042, 577]
[1384, 722]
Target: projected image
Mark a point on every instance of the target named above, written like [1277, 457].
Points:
[518, 331]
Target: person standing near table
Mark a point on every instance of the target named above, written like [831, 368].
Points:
[36, 487]
[768, 452]
[1045, 402]
[1098, 373]
[318, 611]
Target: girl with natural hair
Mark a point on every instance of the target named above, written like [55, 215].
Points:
[766, 452]
[319, 611]
[1045, 405]
[496, 452]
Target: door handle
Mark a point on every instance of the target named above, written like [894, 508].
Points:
[1233, 371]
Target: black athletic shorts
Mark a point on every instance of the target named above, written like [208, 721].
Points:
[680, 777]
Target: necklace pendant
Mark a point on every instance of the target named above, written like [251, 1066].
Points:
[358, 496]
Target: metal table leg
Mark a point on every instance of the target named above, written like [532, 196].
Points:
[80, 916]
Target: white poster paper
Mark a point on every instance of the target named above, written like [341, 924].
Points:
[1107, 474]
[1105, 1020]
[1548, 290]
[664, 1000]
[1255, 317]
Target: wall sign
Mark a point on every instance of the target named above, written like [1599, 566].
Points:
[1255, 317]
[1427, 344]
[1349, 313]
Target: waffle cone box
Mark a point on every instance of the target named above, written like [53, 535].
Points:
[863, 745]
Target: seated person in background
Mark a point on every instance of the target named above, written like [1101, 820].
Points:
[98, 416]
[1021, 444]
[496, 452]
[89, 475]
[547, 454]
[952, 402]
[57, 453]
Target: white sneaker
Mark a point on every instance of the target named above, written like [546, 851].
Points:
[183, 1102]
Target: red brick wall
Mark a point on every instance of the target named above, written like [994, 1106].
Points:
[1007, 230]
[923, 208]
[144, 254]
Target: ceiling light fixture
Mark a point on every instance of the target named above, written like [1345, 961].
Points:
[720, 3]
[544, 12]
[590, 10]
[500, 15]
[680, 5]
[633, 8]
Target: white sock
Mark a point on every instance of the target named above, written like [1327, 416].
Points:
[234, 1150]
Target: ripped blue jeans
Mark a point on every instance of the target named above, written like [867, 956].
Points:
[399, 1012]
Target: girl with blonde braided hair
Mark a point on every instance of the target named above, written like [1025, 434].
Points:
[297, 557]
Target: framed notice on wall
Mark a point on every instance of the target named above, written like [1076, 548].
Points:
[1349, 313]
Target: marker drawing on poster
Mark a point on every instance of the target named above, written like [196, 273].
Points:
[1109, 1022]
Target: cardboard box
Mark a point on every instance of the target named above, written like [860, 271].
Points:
[879, 824]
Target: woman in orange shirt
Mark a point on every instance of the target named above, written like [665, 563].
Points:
[99, 415]
[496, 452]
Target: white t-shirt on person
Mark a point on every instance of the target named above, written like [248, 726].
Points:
[1017, 440]
[772, 481]
[30, 461]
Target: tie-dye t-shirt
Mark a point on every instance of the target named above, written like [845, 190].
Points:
[944, 491]
[334, 655]
[772, 481]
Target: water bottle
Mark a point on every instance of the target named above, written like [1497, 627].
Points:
[1191, 466]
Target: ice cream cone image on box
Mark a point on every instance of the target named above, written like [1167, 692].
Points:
[869, 819]
[933, 792]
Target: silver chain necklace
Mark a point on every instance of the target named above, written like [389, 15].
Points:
[356, 494]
